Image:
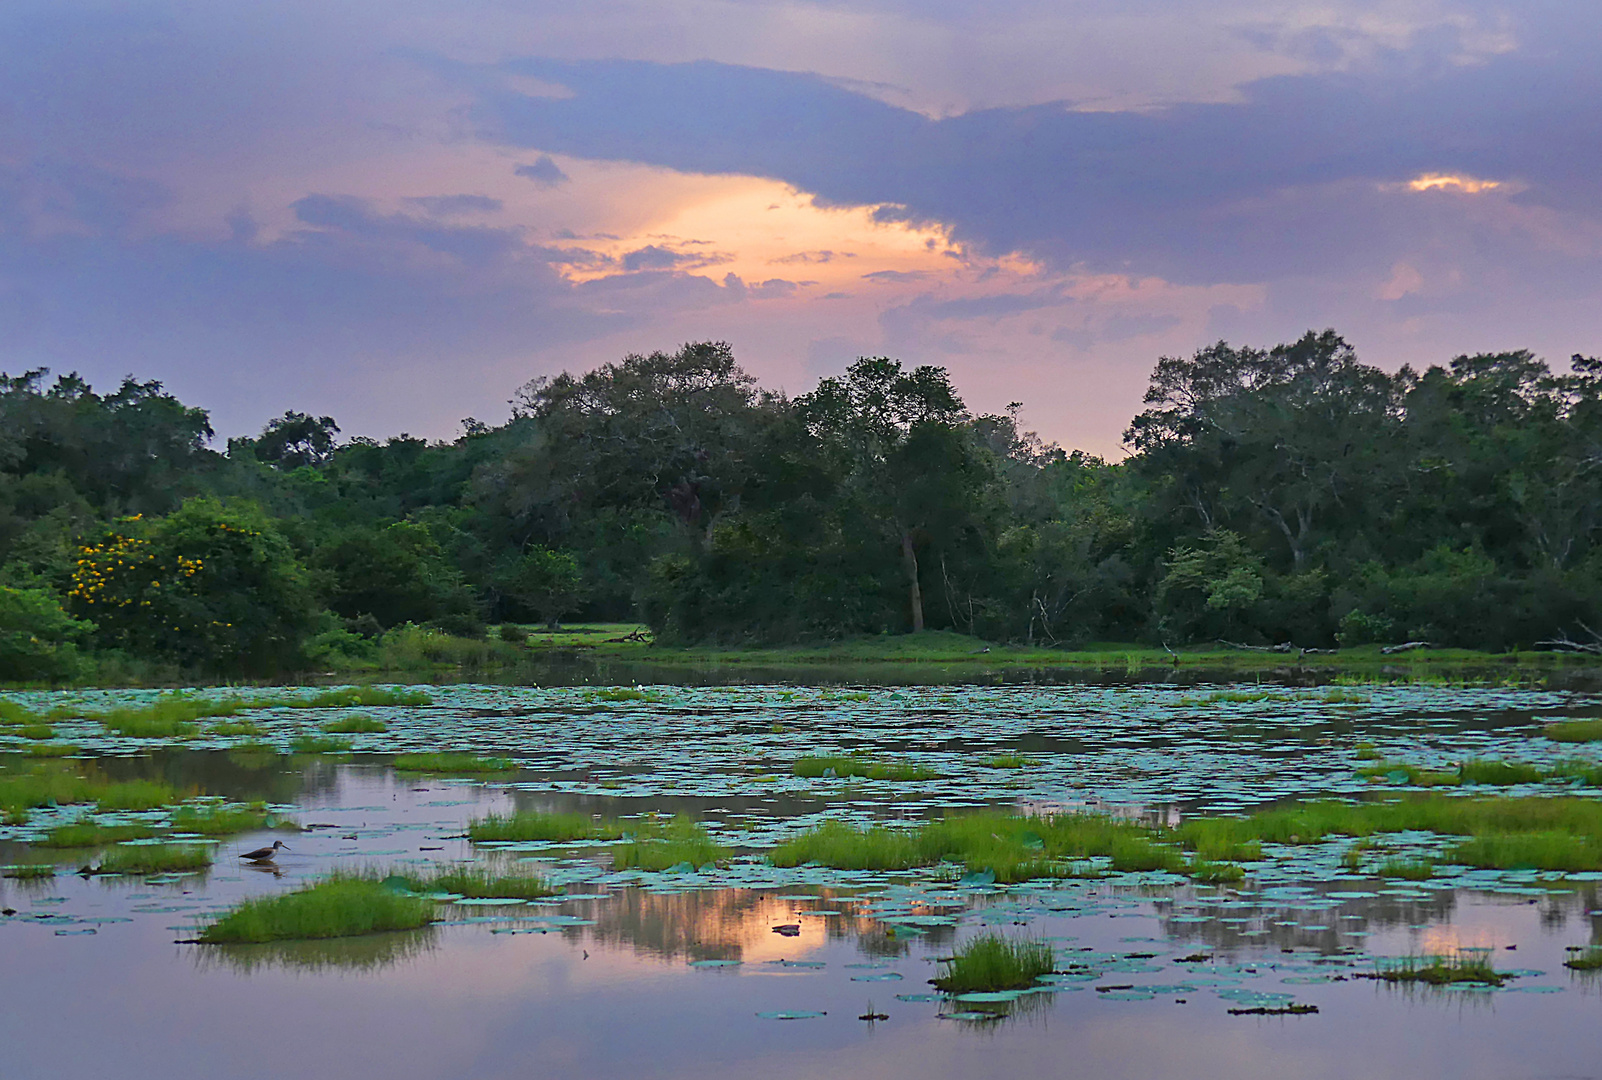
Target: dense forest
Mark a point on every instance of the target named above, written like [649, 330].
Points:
[1292, 494]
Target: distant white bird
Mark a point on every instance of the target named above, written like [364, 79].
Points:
[265, 854]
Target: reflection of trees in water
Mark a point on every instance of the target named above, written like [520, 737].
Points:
[1378, 913]
[244, 776]
[369, 953]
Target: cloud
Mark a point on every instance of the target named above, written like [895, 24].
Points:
[658, 257]
[456, 205]
[544, 172]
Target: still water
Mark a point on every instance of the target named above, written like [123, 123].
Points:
[633, 974]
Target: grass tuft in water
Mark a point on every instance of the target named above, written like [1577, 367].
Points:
[53, 750]
[529, 826]
[1215, 873]
[1010, 761]
[1407, 869]
[625, 693]
[344, 905]
[1548, 850]
[89, 834]
[234, 727]
[836, 844]
[1469, 966]
[451, 763]
[356, 724]
[135, 795]
[679, 843]
[1588, 958]
[215, 820]
[852, 765]
[1574, 731]
[319, 744]
[1499, 773]
[154, 859]
[474, 881]
[28, 871]
[991, 963]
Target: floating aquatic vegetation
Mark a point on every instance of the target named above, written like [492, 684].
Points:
[991, 963]
[836, 844]
[1574, 731]
[54, 750]
[28, 871]
[344, 905]
[1010, 761]
[530, 826]
[1400, 772]
[135, 795]
[846, 765]
[619, 694]
[153, 859]
[1407, 869]
[1552, 849]
[1500, 773]
[451, 763]
[356, 724]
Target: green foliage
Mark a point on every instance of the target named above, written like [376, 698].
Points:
[529, 825]
[679, 843]
[451, 763]
[547, 582]
[154, 859]
[474, 881]
[319, 744]
[1585, 959]
[38, 639]
[338, 906]
[991, 963]
[356, 724]
[1469, 966]
[212, 586]
[847, 765]
[1574, 731]
[135, 795]
[212, 819]
[1407, 869]
[837, 844]
[397, 574]
[88, 834]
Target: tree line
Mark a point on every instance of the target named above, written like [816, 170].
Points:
[1291, 494]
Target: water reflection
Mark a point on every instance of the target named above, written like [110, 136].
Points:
[366, 954]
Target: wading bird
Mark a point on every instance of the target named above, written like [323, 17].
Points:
[265, 854]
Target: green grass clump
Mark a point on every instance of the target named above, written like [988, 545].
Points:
[676, 844]
[319, 744]
[87, 834]
[1366, 751]
[1400, 772]
[154, 859]
[53, 750]
[451, 763]
[1470, 966]
[624, 693]
[991, 963]
[356, 724]
[37, 732]
[1010, 761]
[352, 697]
[1215, 873]
[1499, 773]
[215, 820]
[1507, 833]
[339, 906]
[1588, 773]
[1574, 731]
[1586, 959]
[852, 765]
[234, 727]
[1549, 850]
[1011, 847]
[527, 826]
[836, 844]
[135, 795]
[45, 784]
[1407, 869]
[29, 871]
[477, 882]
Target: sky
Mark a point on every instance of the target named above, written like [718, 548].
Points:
[396, 212]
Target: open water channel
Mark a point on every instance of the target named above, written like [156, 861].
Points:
[681, 974]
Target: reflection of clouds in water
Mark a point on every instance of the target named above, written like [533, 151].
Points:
[366, 954]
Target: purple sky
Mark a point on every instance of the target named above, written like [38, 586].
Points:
[397, 211]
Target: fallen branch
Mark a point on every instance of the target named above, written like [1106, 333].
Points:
[1284, 647]
[1567, 644]
[1391, 650]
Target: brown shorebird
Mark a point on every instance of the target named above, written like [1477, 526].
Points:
[265, 854]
